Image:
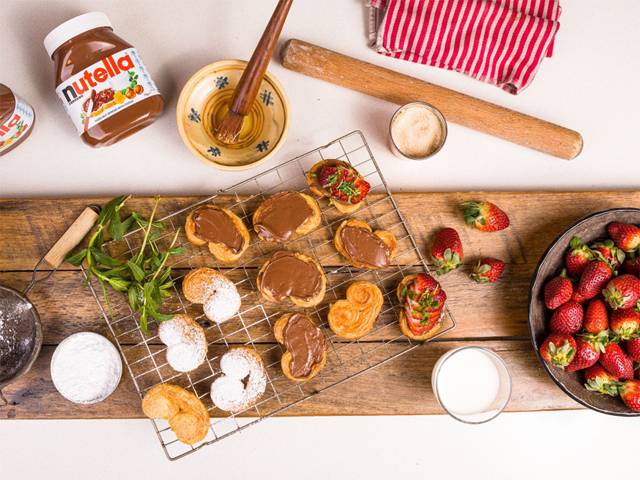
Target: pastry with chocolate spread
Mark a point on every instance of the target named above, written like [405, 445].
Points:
[340, 182]
[355, 316]
[305, 349]
[292, 277]
[423, 300]
[286, 215]
[222, 230]
[364, 248]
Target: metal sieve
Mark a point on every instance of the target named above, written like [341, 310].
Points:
[20, 328]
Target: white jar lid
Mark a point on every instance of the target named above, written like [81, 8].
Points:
[74, 27]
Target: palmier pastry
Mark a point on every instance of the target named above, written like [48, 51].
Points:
[356, 315]
[422, 302]
[186, 414]
[220, 229]
[186, 342]
[218, 295]
[364, 248]
[285, 215]
[294, 277]
[305, 347]
[243, 380]
[340, 182]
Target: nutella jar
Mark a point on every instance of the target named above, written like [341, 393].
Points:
[101, 80]
[16, 120]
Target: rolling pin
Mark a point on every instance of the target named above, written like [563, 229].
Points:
[457, 107]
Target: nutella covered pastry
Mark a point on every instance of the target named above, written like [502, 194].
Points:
[356, 315]
[364, 248]
[294, 277]
[305, 348]
[223, 231]
[340, 182]
[285, 214]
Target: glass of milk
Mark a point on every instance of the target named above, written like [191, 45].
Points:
[472, 384]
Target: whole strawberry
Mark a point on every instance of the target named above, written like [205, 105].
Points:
[597, 379]
[632, 347]
[567, 319]
[625, 323]
[630, 394]
[596, 317]
[577, 257]
[616, 362]
[558, 349]
[446, 251]
[487, 270]
[626, 236]
[485, 216]
[631, 265]
[622, 291]
[607, 251]
[577, 297]
[557, 291]
[587, 355]
[593, 279]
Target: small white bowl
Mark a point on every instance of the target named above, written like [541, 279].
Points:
[397, 151]
[455, 389]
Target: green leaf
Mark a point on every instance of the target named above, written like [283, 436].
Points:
[77, 258]
[118, 284]
[105, 259]
[138, 273]
[116, 228]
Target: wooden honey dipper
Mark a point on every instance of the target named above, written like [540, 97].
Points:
[244, 95]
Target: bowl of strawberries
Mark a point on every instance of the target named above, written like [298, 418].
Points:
[584, 311]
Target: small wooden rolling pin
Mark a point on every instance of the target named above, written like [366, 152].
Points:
[457, 107]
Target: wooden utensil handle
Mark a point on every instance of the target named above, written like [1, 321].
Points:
[71, 238]
[247, 89]
[457, 107]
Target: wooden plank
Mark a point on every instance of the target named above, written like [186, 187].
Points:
[399, 387]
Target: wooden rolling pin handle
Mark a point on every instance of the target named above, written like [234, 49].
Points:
[71, 238]
[457, 107]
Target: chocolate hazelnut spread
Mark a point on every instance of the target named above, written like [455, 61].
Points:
[364, 246]
[16, 120]
[280, 216]
[101, 80]
[215, 226]
[305, 342]
[287, 275]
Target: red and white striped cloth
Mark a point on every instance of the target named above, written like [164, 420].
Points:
[502, 42]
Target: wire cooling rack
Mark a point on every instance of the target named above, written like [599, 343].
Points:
[145, 355]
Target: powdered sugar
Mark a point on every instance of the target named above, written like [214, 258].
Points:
[243, 381]
[223, 302]
[186, 342]
[86, 368]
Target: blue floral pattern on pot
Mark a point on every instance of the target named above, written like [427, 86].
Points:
[194, 116]
[263, 146]
[215, 151]
[222, 82]
[267, 98]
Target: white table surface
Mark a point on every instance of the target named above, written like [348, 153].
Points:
[589, 85]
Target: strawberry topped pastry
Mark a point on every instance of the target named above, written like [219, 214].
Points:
[593, 314]
[422, 302]
[340, 182]
[446, 250]
[484, 216]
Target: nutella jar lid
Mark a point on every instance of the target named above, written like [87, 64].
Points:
[74, 27]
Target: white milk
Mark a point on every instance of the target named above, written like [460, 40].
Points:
[469, 382]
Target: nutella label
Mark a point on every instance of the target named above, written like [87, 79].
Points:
[105, 88]
[17, 125]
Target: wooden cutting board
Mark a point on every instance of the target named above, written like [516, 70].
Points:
[491, 315]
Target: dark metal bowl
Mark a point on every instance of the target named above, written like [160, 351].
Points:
[17, 356]
[588, 229]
